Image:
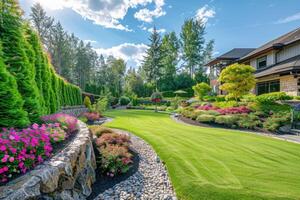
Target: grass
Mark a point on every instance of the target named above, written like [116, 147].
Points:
[208, 163]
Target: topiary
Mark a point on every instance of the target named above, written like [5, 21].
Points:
[11, 103]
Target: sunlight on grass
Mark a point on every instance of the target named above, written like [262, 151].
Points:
[207, 163]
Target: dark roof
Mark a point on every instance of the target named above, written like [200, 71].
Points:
[292, 64]
[233, 54]
[281, 41]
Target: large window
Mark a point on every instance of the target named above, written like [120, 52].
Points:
[262, 62]
[267, 87]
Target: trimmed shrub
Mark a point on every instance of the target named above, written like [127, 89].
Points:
[227, 120]
[11, 103]
[206, 118]
[277, 120]
[226, 104]
[99, 130]
[124, 101]
[220, 98]
[16, 60]
[107, 139]
[87, 102]
[272, 97]
[201, 90]
[250, 121]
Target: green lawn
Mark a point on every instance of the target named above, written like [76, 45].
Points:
[208, 163]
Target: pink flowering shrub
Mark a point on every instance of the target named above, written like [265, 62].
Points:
[91, 116]
[225, 111]
[24, 149]
[68, 123]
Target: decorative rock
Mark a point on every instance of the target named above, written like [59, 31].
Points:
[66, 176]
[151, 181]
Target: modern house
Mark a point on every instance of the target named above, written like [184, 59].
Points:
[277, 64]
[218, 64]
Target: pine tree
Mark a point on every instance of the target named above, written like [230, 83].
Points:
[152, 65]
[15, 58]
[11, 103]
[192, 36]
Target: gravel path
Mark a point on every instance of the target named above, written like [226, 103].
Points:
[151, 181]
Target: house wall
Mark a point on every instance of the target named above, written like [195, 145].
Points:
[288, 52]
[270, 59]
[288, 83]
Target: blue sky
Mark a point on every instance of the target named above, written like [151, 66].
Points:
[121, 27]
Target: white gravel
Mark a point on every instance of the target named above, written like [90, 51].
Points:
[151, 181]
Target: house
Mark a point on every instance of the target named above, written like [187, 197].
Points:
[277, 65]
[216, 65]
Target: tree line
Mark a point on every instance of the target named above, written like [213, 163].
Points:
[29, 85]
[171, 62]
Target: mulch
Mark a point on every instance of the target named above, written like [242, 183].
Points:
[104, 182]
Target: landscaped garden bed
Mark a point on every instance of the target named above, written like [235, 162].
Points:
[262, 113]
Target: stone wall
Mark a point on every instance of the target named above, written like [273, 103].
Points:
[66, 176]
[73, 110]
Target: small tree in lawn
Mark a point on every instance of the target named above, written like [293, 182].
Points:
[156, 97]
[201, 90]
[87, 102]
[237, 80]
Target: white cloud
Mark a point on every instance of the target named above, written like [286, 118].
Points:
[162, 30]
[130, 52]
[90, 41]
[147, 15]
[204, 13]
[106, 13]
[288, 19]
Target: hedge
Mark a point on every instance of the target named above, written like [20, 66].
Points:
[35, 88]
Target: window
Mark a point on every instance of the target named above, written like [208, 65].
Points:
[261, 62]
[267, 87]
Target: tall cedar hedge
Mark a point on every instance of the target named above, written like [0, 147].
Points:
[26, 68]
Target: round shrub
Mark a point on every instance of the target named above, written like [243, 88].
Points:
[206, 118]
[124, 101]
[87, 102]
[250, 121]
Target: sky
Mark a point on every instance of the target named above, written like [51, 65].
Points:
[122, 27]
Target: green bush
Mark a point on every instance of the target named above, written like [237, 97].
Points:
[226, 104]
[269, 108]
[87, 102]
[272, 97]
[11, 103]
[206, 118]
[220, 98]
[209, 98]
[249, 121]
[201, 90]
[248, 98]
[124, 101]
[227, 120]
[277, 120]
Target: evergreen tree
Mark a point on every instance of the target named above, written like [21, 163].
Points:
[192, 36]
[11, 103]
[42, 23]
[170, 50]
[152, 65]
[15, 58]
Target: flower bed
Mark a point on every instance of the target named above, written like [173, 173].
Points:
[22, 150]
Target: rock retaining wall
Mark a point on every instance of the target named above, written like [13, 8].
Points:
[73, 110]
[66, 176]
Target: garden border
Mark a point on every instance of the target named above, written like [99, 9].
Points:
[67, 175]
[287, 138]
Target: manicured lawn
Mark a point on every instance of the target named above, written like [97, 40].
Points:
[207, 163]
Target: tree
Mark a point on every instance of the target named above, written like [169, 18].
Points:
[152, 65]
[11, 103]
[15, 57]
[134, 83]
[192, 36]
[201, 90]
[237, 80]
[42, 23]
[156, 97]
[170, 50]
